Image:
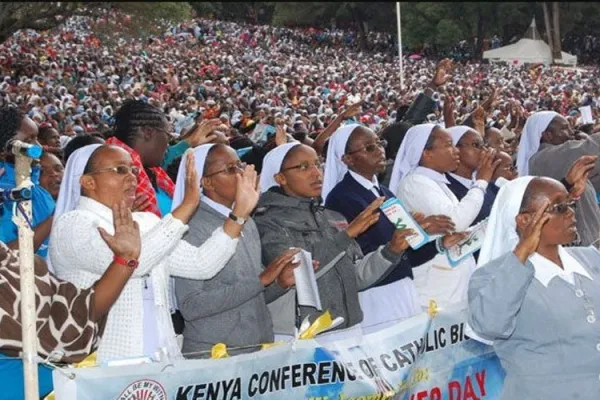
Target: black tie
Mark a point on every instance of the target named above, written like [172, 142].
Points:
[379, 191]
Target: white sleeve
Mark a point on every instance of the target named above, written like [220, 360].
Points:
[422, 194]
[205, 261]
[76, 243]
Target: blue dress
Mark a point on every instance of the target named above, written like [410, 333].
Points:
[42, 206]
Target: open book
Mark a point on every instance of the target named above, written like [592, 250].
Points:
[401, 218]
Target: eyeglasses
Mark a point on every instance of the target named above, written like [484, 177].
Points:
[476, 145]
[120, 170]
[561, 208]
[371, 147]
[230, 169]
[305, 166]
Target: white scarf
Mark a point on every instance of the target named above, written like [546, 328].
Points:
[458, 132]
[70, 187]
[200, 154]
[272, 165]
[335, 169]
[530, 140]
[410, 153]
[501, 234]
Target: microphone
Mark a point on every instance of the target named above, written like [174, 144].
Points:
[30, 150]
[15, 194]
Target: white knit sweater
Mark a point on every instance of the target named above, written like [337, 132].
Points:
[80, 255]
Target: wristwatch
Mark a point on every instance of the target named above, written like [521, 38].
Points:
[236, 219]
[133, 264]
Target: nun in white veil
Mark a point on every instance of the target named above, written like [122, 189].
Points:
[534, 300]
[272, 165]
[70, 188]
[139, 323]
[426, 154]
[349, 194]
[535, 125]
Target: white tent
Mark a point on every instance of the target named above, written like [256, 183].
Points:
[530, 49]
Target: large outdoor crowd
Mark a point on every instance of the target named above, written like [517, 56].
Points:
[182, 174]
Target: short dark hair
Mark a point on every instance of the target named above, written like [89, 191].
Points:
[10, 122]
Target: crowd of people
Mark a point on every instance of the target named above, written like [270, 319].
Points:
[182, 175]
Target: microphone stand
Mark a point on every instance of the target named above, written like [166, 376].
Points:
[22, 217]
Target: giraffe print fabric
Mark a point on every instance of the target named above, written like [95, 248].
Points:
[66, 326]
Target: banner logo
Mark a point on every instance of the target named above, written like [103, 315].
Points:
[144, 389]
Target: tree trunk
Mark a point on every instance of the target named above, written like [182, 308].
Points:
[481, 22]
[557, 49]
[548, 26]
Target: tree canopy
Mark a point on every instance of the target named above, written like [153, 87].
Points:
[149, 17]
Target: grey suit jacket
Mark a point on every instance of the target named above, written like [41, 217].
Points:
[545, 338]
[229, 308]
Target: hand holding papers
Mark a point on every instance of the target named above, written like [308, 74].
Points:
[469, 245]
[307, 291]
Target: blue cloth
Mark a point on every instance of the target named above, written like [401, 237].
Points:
[461, 191]
[42, 206]
[164, 201]
[11, 375]
[350, 198]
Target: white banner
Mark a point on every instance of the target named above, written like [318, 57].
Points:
[417, 359]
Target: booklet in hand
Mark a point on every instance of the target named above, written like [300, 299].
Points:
[469, 245]
[401, 218]
[307, 291]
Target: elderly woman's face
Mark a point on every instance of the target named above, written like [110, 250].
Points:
[219, 175]
[561, 228]
[111, 178]
[301, 173]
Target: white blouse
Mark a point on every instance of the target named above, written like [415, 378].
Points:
[81, 256]
[426, 191]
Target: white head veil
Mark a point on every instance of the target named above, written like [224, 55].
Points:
[458, 132]
[530, 139]
[410, 152]
[272, 165]
[335, 169]
[501, 234]
[200, 154]
[70, 187]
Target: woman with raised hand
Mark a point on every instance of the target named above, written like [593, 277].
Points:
[231, 307]
[426, 154]
[139, 323]
[355, 156]
[536, 299]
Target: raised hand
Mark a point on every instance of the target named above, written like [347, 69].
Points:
[478, 117]
[203, 132]
[530, 237]
[441, 75]
[141, 202]
[274, 269]
[191, 197]
[487, 165]
[365, 219]
[448, 111]
[247, 192]
[352, 111]
[578, 174]
[127, 241]
[280, 134]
